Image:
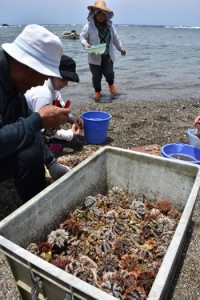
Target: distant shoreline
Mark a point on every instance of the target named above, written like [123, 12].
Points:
[175, 26]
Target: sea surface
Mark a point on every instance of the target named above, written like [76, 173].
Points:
[162, 62]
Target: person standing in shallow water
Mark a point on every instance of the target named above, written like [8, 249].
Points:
[100, 30]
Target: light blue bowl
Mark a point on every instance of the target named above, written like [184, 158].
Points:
[184, 152]
[193, 139]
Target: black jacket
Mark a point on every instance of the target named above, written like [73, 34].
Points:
[17, 126]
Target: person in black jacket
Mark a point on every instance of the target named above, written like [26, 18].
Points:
[28, 61]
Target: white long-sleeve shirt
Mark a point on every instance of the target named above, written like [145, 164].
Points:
[39, 96]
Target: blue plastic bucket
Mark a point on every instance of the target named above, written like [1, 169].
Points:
[96, 126]
[182, 152]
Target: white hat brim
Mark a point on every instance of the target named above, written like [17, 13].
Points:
[21, 56]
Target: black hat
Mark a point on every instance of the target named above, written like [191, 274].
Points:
[67, 69]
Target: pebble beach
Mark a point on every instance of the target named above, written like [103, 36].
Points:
[133, 124]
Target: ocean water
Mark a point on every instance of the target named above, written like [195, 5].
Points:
[162, 62]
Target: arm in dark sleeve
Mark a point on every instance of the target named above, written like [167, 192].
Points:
[14, 137]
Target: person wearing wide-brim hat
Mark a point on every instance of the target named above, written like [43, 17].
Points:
[28, 61]
[100, 30]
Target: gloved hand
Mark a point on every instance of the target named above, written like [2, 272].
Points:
[56, 170]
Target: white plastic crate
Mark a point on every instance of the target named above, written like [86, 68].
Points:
[136, 173]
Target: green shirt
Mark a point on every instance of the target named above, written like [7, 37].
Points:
[104, 35]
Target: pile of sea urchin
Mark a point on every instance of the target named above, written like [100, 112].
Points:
[115, 242]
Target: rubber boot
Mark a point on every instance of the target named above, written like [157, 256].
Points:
[97, 95]
[112, 88]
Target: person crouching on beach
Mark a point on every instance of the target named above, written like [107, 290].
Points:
[49, 93]
[28, 61]
[100, 30]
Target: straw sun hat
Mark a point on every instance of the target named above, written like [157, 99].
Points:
[100, 4]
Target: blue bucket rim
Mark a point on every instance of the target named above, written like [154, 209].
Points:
[96, 111]
[181, 144]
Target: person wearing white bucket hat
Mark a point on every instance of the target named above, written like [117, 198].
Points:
[28, 61]
[100, 30]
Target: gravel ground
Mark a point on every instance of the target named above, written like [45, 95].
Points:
[132, 124]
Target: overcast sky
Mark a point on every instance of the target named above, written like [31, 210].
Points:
[146, 12]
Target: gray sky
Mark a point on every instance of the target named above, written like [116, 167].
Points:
[147, 12]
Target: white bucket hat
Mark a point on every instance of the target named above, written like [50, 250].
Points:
[37, 48]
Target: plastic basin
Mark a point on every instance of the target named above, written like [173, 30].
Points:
[184, 152]
[96, 49]
[96, 126]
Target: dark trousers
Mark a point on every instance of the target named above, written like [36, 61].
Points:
[105, 69]
[27, 169]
